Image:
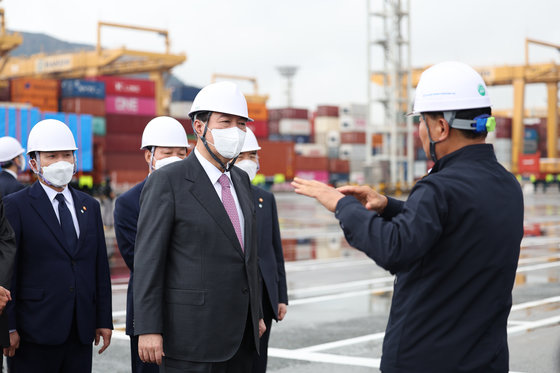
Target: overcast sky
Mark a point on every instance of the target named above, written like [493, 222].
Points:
[326, 39]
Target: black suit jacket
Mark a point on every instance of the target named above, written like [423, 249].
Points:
[193, 283]
[271, 256]
[7, 258]
[9, 184]
[127, 209]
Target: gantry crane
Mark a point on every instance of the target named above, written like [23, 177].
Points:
[518, 76]
[84, 64]
[251, 98]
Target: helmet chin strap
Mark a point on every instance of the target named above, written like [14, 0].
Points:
[230, 164]
[432, 142]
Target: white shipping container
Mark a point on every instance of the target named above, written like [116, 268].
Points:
[294, 127]
[333, 138]
[353, 152]
[353, 110]
[311, 150]
[180, 109]
[420, 169]
[352, 124]
[326, 124]
[502, 148]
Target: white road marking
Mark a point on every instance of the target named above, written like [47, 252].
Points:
[325, 298]
[534, 325]
[535, 303]
[537, 267]
[323, 358]
[343, 285]
[344, 342]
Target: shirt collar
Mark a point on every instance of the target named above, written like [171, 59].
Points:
[212, 171]
[10, 172]
[51, 193]
[470, 152]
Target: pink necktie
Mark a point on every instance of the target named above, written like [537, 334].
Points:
[229, 204]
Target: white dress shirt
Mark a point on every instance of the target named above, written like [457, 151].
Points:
[214, 174]
[51, 193]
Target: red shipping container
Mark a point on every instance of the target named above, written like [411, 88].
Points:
[259, 128]
[128, 176]
[339, 166]
[118, 86]
[273, 127]
[122, 123]
[529, 164]
[322, 176]
[126, 161]
[130, 105]
[311, 163]
[83, 105]
[327, 111]
[287, 113]
[5, 90]
[123, 143]
[277, 157]
[503, 128]
[352, 137]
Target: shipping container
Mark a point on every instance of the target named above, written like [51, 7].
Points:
[352, 151]
[130, 105]
[122, 123]
[319, 175]
[118, 86]
[353, 110]
[34, 87]
[339, 166]
[503, 128]
[311, 150]
[46, 103]
[126, 161]
[259, 128]
[295, 127]
[333, 152]
[287, 113]
[99, 126]
[276, 158]
[337, 179]
[290, 138]
[83, 105]
[352, 137]
[127, 176]
[82, 88]
[502, 149]
[180, 109]
[184, 93]
[420, 169]
[327, 111]
[325, 124]
[257, 111]
[273, 127]
[5, 90]
[530, 141]
[302, 163]
[352, 124]
[123, 143]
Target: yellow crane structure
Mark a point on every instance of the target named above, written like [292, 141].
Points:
[121, 61]
[517, 76]
[251, 98]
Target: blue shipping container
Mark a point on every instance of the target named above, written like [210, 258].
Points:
[184, 93]
[299, 139]
[82, 88]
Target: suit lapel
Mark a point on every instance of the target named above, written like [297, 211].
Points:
[45, 210]
[203, 190]
[83, 210]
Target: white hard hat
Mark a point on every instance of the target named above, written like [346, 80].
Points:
[164, 131]
[221, 97]
[50, 135]
[450, 86]
[251, 144]
[9, 149]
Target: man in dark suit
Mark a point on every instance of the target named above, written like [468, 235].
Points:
[164, 141]
[61, 287]
[11, 161]
[196, 283]
[7, 257]
[271, 255]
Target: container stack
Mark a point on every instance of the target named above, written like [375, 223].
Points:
[125, 96]
[326, 129]
[182, 98]
[259, 114]
[502, 141]
[289, 124]
[85, 97]
[40, 93]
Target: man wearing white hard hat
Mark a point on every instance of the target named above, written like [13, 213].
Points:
[12, 161]
[196, 284]
[453, 245]
[61, 289]
[164, 141]
[271, 256]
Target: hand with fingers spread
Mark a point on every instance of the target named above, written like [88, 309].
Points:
[326, 195]
[150, 348]
[367, 196]
[106, 335]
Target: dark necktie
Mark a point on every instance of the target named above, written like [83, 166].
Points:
[229, 204]
[67, 224]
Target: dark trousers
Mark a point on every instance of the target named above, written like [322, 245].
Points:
[70, 357]
[137, 365]
[241, 362]
[260, 360]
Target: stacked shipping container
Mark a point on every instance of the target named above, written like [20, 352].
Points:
[40, 93]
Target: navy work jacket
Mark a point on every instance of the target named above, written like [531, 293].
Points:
[454, 247]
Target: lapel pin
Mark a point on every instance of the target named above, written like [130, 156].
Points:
[260, 199]
[260, 205]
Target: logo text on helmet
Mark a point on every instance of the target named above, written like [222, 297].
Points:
[481, 90]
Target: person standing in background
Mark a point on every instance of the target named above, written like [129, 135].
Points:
[271, 255]
[164, 141]
[12, 161]
[7, 258]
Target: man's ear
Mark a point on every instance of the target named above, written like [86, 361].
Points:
[147, 156]
[442, 129]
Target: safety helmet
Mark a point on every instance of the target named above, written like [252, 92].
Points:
[251, 144]
[50, 135]
[221, 97]
[164, 131]
[9, 148]
[450, 86]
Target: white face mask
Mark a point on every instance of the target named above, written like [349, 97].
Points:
[58, 174]
[248, 166]
[228, 142]
[165, 161]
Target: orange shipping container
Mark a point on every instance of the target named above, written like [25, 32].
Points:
[43, 103]
[257, 111]
[339, 166]
[277, 157]
[31, 86]
[311, 163]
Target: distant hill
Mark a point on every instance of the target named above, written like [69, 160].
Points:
[41, 43]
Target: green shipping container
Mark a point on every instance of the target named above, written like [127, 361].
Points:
[99, 126]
